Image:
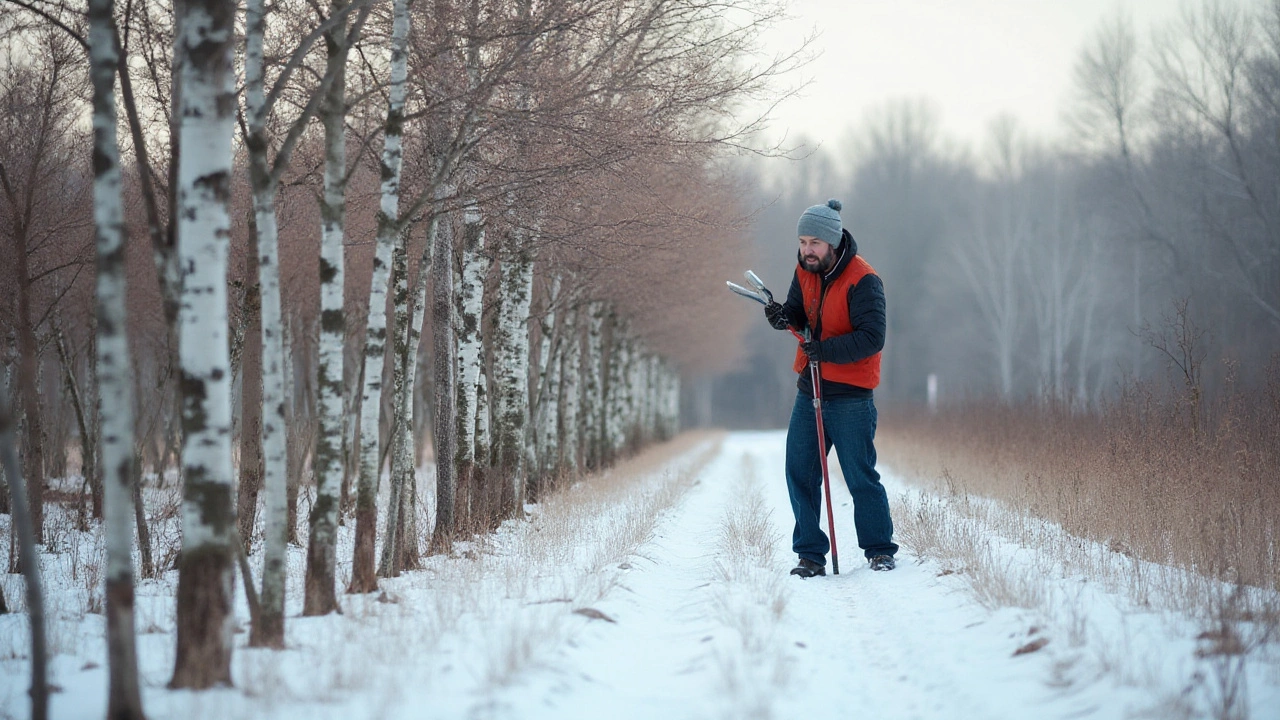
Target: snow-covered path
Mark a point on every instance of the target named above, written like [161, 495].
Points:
[902, 644]
[661, 590]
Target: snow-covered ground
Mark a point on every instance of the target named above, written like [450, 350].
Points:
[665, 593]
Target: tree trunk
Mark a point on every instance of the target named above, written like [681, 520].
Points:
[468, 309]
[511, 373]
[140, 516]
[445, 357]
[269, 630]
[363, 578]
[88, 439]
[593, 390]
[537, 434]
[320, 595]
[615, 392]
[205, 568]
[29, 387]
[251, 397]
[571, 401]
[115, 389]
[30, 564]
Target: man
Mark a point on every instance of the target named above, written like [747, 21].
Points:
[839, 299]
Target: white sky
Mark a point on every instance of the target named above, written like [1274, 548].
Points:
[975, 59]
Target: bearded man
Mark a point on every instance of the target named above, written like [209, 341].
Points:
[839, 299]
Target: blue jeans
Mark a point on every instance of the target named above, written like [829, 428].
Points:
[850, 425]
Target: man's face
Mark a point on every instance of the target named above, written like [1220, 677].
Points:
[816, 256]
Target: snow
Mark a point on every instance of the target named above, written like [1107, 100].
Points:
[668, 596]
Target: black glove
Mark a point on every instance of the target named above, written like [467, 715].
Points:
[777, 316]
[812, 348]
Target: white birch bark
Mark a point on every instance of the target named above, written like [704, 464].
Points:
[115, 389]
[467, 310]
[593, 387]
[571, 395]
[536, 438]
[363, 578]
[270, 629]
[511, 372]
[616, 391]
[320, 596]
[548, 446]
[402, 448]
[205, 616]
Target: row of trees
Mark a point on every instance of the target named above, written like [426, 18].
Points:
[1041, 270]
[524, 178]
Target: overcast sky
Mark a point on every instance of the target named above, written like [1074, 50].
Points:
[975, 59]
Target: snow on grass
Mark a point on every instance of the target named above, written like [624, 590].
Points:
[1186, 643]
[439, 640]
[660, 589]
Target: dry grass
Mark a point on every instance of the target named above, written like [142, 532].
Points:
[1140, 476]
[1169, 499]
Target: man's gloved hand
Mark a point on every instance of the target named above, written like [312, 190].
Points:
[777, 315]
[813, 349]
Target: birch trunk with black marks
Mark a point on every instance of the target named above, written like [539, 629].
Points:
[205, 617]
[593, 388]
[406, 340]
[538, 435]
[320, 596]
[269, 630]
[467, 311]
[548, 406]
[363, 570]
[571, 393]
[445, 357]
[615, 392]
[402, 443]
[511, 373]
[115, 382]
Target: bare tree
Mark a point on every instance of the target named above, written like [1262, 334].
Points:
[30, 563]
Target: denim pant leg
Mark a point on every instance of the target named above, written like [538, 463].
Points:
[851, 425]
[804, 482]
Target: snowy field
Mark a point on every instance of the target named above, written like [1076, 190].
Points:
[661, 590]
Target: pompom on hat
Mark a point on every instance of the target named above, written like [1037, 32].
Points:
[822, 222]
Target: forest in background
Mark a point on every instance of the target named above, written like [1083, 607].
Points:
[1144, 246]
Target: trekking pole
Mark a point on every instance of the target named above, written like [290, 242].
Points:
[761, 294]
[815, 376]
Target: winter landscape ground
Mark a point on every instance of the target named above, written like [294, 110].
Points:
[660, 590]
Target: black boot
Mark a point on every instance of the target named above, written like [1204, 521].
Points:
[808, 568]
[882, 562]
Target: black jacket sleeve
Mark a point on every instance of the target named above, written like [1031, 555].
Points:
[795, 305]
[867, 315]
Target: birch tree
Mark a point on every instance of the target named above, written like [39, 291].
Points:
[320, 595]
[593, 387]
[511, 369]
[205, 616]
[466, 314]
[115, 391]
[363, 577]
[265, 173]
[571, 430]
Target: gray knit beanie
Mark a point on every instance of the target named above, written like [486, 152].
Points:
[822, 222]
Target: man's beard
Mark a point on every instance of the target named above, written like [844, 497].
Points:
[819, 265]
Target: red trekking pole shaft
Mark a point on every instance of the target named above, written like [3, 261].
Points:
[815, 376]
